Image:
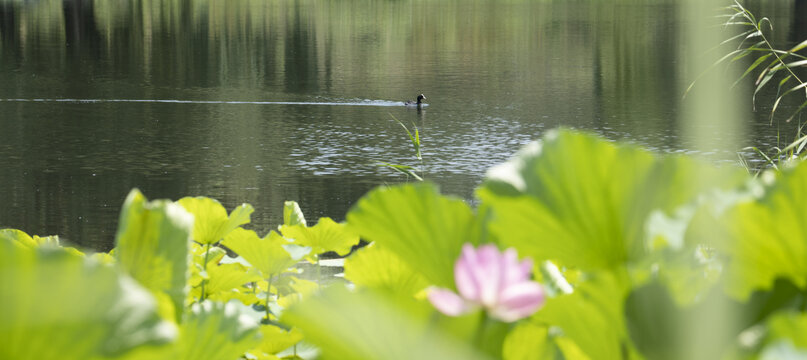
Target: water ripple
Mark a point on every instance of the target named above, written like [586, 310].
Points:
[365, 102]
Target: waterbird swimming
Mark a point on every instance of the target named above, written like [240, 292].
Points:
[413, 103]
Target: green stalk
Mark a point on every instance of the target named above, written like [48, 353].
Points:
[268, 294]
[204, 266]
[319, 273]
[479, 337]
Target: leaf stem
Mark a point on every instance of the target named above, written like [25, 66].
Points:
[204, 266]
[319, 273]
[268, 294]
[479, 337]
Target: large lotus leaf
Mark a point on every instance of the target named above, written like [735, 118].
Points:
[591, 317]
[23, 239]
[326, 235]
[226, 277]
[211, 223]
[529, 340]
[785, 337]
[153, 246]
[766, 238]
[216, 331]
[276, 340]
[375, 267]
[663, 329]
[584, 201]
[265, 254]
[292, 214]
[368, 325]
[423, 228]
[28, 241]
[57, 306]
[299, 290]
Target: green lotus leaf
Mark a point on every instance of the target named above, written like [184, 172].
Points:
[57, 306]
[529, 341]
[276, 339]
[292, 215]
[28, 241]
[153, 246]
[213, 254]
[765, 237]
[216, 331]
[265, 254]
[590, 317]
[326, 235]
[375, 267]
[785, 337]
[369, 325]
[211, 223]
[23, 239]
[584, 201]
[299, 289]
[423, 228]
[226, 277]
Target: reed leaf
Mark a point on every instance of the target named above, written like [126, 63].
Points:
[751, 68]
[798, 47]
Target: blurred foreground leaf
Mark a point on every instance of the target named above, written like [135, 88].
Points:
[375, 267]
[217, 331]
[766, 238]
[57, 306]
[369, 325]
[584, 201]
[153, 246]
[423, 228]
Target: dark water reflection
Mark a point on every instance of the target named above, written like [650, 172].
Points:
[497, 74]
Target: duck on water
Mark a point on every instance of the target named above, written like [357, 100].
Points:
[416, 103]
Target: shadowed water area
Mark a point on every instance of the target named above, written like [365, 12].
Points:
[265, 101]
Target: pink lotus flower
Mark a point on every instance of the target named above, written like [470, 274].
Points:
[495, 281]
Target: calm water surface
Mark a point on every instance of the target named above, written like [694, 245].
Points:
[265, 101]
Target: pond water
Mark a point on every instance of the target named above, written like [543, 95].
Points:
[264, 101]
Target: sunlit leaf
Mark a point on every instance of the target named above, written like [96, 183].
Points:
[591, 317]
[214, 254]
[153, 245]
[367, 325]
[276, 339]
[423, 228]
[57, 306]
[528, 341]
[584, 201]
[226, 277]
[211, 222]
[23, 239]
[327, 235]
[28, 241]
[265, 254]
[766, 237]
[375, 267]
[798, 47]
[785, 338]
[292, 214]
[216, 331]
[301, 289]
